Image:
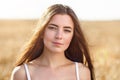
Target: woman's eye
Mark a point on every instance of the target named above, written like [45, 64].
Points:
[67, 31]
[52, 28]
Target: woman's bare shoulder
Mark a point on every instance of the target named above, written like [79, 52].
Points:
[84, 72]
[18, 73]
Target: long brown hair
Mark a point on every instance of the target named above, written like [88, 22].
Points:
[77, 51]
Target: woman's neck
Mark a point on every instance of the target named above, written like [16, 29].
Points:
[53, 59]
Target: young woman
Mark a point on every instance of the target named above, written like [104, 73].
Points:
[57, 50]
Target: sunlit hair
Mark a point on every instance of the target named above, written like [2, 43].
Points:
[77, 51]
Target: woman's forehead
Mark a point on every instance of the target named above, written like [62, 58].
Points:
[62, 19]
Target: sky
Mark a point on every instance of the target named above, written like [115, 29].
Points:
[85, 9]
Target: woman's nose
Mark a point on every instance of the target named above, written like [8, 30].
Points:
[59, 34]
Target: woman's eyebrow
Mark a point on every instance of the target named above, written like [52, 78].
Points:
[68, 27]
[53, 25]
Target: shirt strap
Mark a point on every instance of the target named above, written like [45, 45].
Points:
[77, 70]
[27, 72]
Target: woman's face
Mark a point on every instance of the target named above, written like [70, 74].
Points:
[58, 33]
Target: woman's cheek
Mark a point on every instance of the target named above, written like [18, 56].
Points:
[68, 40]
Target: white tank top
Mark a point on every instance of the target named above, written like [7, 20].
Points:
[76, 68]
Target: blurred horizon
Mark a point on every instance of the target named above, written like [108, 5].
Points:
[85, 9]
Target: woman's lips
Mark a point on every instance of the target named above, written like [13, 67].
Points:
[57, 43]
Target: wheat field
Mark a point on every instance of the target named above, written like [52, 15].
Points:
[103, 38]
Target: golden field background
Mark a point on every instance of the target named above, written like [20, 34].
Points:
[103, 38]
